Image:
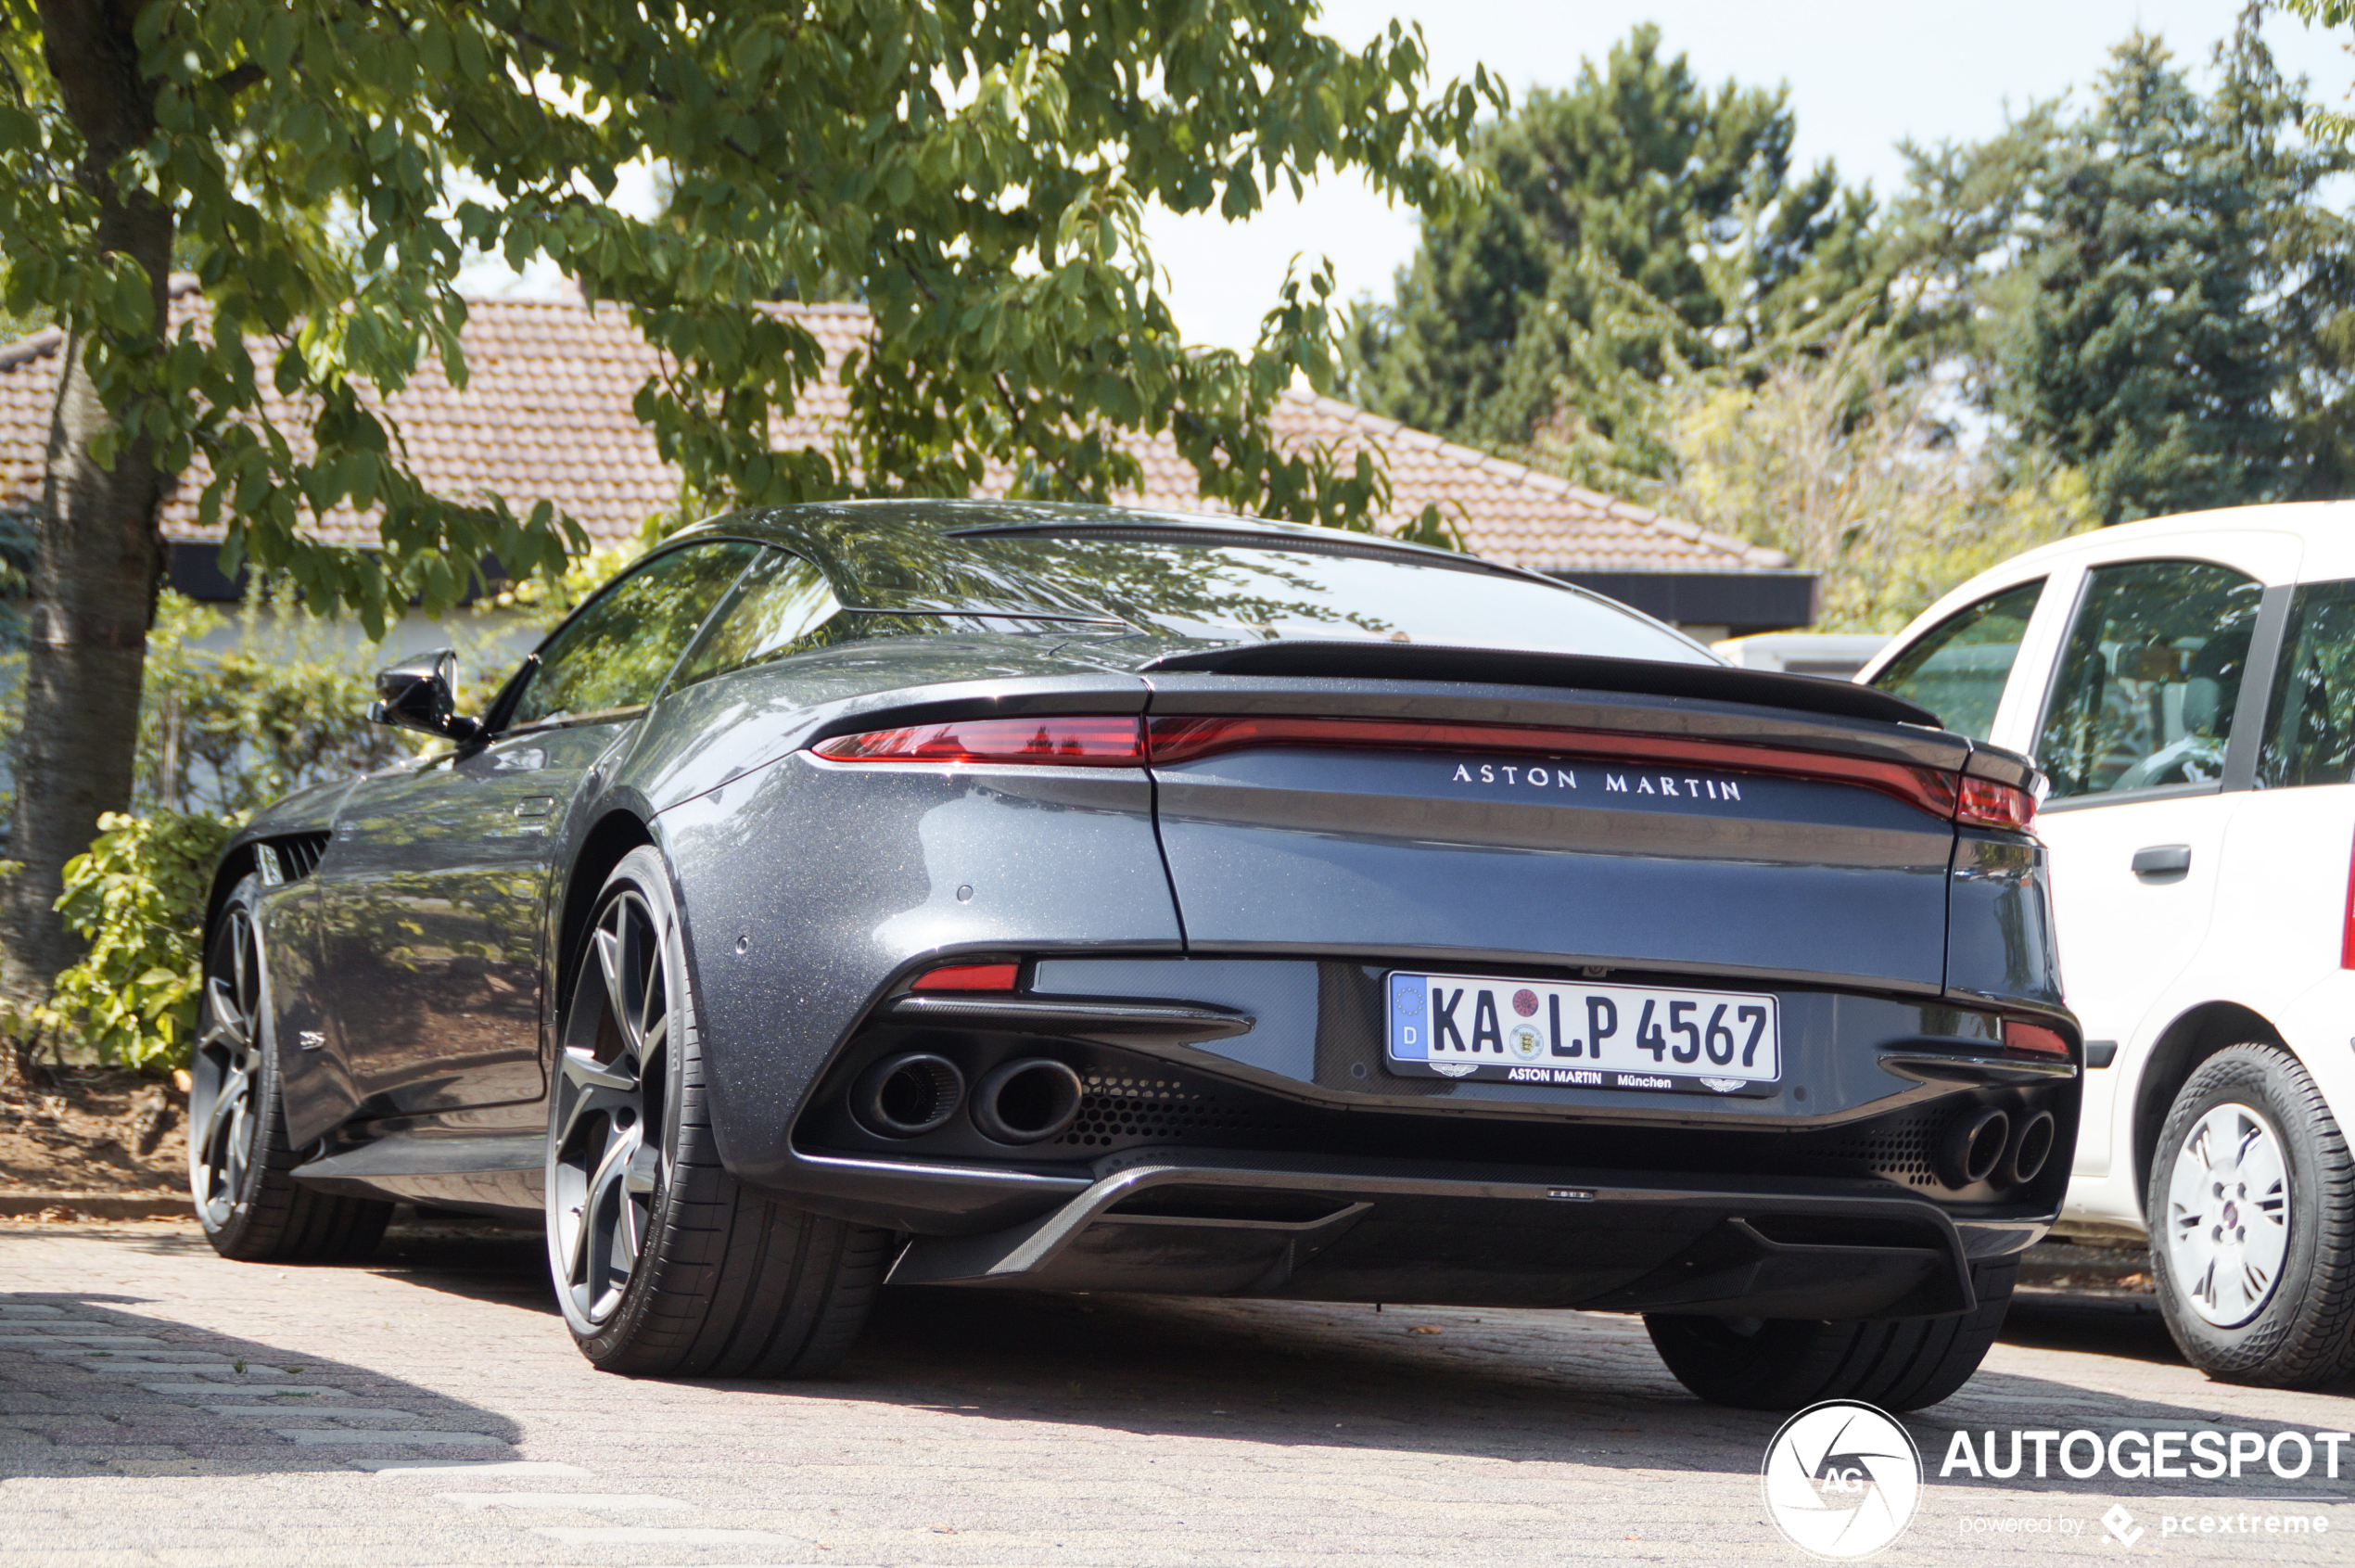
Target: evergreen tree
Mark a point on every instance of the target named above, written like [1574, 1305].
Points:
[1624, 185]
[2140, 355]
[2152, 293]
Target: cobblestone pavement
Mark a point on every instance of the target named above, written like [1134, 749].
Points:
[158, 1406]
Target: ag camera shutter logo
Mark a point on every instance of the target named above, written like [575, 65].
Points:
[1841, 1479]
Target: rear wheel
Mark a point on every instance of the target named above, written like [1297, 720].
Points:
[663, 1263]
[1783, 1364]
[2251, 1209]
[238, 1155]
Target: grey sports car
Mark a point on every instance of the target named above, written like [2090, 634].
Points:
[1026, 897]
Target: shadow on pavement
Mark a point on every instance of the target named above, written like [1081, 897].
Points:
[95, 1384]
[1429, 1382]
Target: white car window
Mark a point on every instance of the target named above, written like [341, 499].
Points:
[2309, 723]
[1957, 669]
[2145, 693]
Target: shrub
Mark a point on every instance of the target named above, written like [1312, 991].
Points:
[137, 894]
[222, 732]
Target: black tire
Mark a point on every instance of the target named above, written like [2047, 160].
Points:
[1787, 1364]
[663, 1264]
[238, 1157]
[2298, 1328]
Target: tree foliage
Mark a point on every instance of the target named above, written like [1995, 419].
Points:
[2176, 324]
[978, 170]
[1855, 475]
[1637, 182]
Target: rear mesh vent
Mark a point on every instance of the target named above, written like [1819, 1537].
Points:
[1896, 1151]
[1117, 1112]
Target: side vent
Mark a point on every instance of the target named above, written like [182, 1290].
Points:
[298, 853]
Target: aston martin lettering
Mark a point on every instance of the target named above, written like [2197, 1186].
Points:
[1582, 1036]
[1527, 775]
[1681, 786]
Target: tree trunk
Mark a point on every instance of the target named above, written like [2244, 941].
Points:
[99, 559]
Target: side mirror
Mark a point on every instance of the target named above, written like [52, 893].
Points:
[423, 695]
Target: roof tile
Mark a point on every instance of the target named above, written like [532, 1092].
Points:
[546, 416]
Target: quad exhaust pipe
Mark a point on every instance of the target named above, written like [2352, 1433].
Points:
[1027, 1101]
[1987, 1144]
[1973, 1146]
[2030, 1150]
[907, 1095]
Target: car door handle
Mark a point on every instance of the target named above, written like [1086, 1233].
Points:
[2161, 860]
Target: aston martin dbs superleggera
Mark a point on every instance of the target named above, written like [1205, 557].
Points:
[1027, 896]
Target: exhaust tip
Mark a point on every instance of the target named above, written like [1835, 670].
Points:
[1973, 1147]
[907, 1095]
[1027, 1102]
[2031, 1149]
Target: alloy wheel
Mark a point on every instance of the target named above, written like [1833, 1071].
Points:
[609, 1161]
[2228, 1214]
[228, 1061]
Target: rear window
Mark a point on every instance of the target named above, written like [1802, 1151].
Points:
[2310, 722]
[1162, 583]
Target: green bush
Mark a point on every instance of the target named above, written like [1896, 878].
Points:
[223, 732]
[137, 894]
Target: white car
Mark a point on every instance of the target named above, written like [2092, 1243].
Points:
[2188, 685]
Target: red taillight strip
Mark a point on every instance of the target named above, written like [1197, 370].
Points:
[1119, 741]
[1065, 739]
[1175, 740]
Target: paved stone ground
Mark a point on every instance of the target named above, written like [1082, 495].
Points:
[158, 1406]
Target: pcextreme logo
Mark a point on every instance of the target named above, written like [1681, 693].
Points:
[1841, 1479]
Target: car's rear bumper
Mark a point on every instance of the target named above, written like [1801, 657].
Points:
[1210, 1223]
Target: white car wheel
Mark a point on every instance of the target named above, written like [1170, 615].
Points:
[2251, 1207]
[2228, 1210]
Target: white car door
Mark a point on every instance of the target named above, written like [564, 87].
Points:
[2137, 717]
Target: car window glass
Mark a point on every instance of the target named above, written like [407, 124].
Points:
[2145, 693]
[2309, 723]
[777, 609]
[1957, 668]
[616, 651]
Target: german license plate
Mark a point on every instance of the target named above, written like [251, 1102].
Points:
[1583, 1035]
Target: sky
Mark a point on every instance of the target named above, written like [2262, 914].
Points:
[1864, 76]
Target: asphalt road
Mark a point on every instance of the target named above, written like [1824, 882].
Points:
[158, 1406]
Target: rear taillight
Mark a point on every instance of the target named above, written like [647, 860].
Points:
[1068, 740]
[1985, 803]
[2347, 927]
[1175, 740]
[1100, 741]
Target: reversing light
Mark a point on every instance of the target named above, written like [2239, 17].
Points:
[2034, 1038]
[969, 978]
[1072, 740]
[1985, 803]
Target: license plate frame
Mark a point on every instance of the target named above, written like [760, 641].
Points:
[1506, 1028]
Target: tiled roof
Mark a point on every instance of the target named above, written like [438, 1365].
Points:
[546, 416]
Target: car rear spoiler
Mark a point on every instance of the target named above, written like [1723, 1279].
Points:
[1367, 660]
